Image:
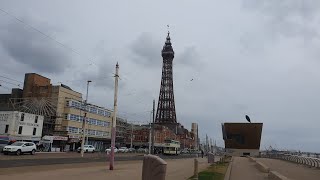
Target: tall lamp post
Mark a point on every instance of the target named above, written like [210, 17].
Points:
[87, 141]
[84, 121]
[114, 119]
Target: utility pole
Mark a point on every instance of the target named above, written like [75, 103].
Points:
[152, 127]
[84, 121]
[150, 133]
[207, 143]
[114, 119]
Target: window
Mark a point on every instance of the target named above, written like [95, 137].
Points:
[7, 129]
[106, 113]
[22, 117]
[93, 110]
[34, 131]
[73, 130]
[106, 124]
[101, 112]
[36, 119]
[20, 130]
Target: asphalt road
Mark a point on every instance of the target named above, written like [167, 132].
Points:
[21, 161]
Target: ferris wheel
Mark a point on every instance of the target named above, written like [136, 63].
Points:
[44, 106]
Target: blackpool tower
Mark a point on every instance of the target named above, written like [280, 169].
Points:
[166, 112]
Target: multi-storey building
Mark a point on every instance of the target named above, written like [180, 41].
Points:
[121, 132]
[21, 126]
[98, 126]
[64, 110]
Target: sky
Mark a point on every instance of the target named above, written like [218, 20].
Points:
[256, 58]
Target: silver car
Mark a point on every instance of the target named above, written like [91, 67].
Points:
[19, 148]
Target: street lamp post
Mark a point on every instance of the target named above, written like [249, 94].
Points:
[87, 141]
[131, 134]
[114, 119]
[84, 121]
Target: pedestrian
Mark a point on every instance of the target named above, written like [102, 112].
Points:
[202, 153]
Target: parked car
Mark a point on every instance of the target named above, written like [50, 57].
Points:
[108, 150]
[142, 150]
[87, 148]
[185, 151]
[131, 150]
[20, 147]
[5, 141]
[123, 150]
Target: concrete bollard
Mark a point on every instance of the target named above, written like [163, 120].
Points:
[195, 173]
[210, 158]
[153, 168]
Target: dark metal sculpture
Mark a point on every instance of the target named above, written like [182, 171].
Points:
[248, 119]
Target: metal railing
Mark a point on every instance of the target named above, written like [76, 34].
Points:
[309, 161]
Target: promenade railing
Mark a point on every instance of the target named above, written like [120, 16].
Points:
[309, 161]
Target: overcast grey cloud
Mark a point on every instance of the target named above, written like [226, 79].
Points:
[259, 58]
[31, 48]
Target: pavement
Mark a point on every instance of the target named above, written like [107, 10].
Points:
[177, 169]
[291, 170]
[243, 169]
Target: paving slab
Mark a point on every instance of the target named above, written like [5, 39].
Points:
[243, 169]
[291, 170]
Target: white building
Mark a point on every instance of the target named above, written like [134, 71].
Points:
[21, 126]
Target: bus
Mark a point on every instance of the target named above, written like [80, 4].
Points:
[171, 147]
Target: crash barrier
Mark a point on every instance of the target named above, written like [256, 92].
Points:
[308, 161]
[210, 158]
[276, 176]
[153, 168]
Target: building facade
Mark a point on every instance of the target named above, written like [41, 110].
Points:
[21, 126]
[242, 139]
[140, 136]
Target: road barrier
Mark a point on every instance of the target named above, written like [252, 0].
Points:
[309, 161]
[153, 168]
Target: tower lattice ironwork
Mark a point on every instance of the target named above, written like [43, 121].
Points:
[166, 111]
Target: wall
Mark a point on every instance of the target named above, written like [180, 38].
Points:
[36, 85]
[239, 152]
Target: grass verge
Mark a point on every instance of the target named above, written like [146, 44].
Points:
[213, 172]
